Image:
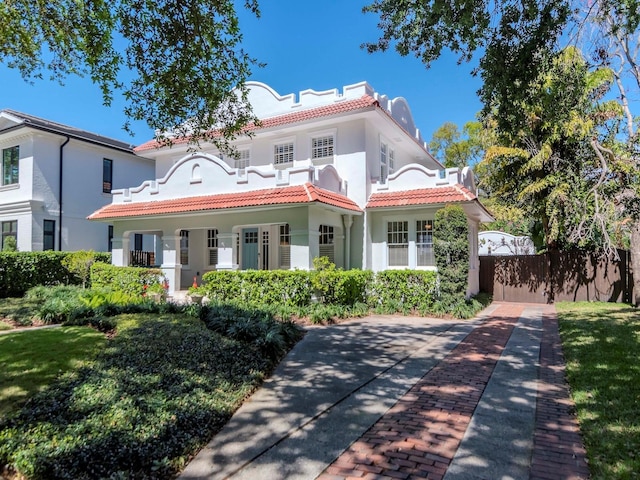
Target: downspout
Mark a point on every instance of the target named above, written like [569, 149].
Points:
[60, 194]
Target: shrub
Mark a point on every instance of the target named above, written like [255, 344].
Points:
[10, 245]
[129, 280]
[79, 263]
[20, 271]
[398, 290]
[451, 249]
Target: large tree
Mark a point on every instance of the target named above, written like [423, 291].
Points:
[455, 148]
[179, 64]
[566, 153]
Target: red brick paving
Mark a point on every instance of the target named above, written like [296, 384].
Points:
[418, 437]
[558, 452]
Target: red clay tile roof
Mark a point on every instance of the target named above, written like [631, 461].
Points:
[306, 193]
[362, 103]
[455, 193]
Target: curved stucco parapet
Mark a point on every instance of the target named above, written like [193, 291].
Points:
[398, 109]
[266, 102]
[468, 179]
[415, 176]
[328, 178]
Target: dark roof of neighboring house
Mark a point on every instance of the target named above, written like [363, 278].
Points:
[61, 129]
[298, 194]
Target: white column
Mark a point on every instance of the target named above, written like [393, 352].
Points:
[171, 261]
[347, 221]
[301, 250]
[120, 252]
[226, 251]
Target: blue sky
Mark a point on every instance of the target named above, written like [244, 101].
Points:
[305, 45]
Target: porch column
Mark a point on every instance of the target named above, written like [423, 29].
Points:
[171, 261]
[120, 251]
[347, 220]
[226, 247]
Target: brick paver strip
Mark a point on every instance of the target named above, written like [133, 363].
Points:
[558, 451]
[419, 436]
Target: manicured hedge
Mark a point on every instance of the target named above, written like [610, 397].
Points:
[407, 288]
[20, 271]
[129, 280]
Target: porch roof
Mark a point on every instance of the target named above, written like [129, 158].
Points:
[449, 194]
[298, 194]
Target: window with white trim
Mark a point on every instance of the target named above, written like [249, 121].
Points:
[398, 243]
[282, 153]
[284, 248]
[387, 161]
[424, 243]
[10, 165]
[184, 247]
[327, 248]
[322, 147]
[212, 246]
[265, 250]
[242, 159]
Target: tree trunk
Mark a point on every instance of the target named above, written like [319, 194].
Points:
[635, 262]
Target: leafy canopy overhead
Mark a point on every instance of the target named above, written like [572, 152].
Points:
[188, 69]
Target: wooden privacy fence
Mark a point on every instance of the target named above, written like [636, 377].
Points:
[557, 276]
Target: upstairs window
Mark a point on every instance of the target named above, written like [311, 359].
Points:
[283, 153]
[398, 243]
[322, 147]
[212, 246]
[107, 175]
[387, 161]
[424, 243]
[10, 165]
[327, 248]
[242, 159]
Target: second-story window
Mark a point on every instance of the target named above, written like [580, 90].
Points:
[282, 153]
[10, 165]
[107, 175]
[242, 159]
[322, 147]
[387, 161]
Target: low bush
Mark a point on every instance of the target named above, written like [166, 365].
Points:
[399, 289]
[20, 271]
[128, 280]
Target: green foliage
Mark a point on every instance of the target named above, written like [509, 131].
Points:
[19, 271]
[162, 387]
[451, 249]
[79, 263]
[259, 286]
[10, 244]
[396, 290]
[339, 287]
[184, 58]
[129, 280]
[449, 146]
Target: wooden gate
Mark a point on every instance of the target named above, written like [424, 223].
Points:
[556, 276]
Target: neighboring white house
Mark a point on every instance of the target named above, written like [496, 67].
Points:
[501, 243]
[53, 176]
[340, 174]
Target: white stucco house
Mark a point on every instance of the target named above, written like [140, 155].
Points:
[344, 174]
[54, 176]
[492, 242]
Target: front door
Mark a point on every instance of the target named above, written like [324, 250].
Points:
[249, 248]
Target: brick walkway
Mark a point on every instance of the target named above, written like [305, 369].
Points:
[419, 436]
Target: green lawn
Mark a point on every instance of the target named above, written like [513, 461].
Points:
[31, 360]
[601, 343]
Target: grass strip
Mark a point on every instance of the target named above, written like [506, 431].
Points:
[601, 343]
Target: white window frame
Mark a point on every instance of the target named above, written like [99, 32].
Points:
[184, 248]
[424, 227]
[212, 246]
[398, 235]
[284, 246]
[314, 150]
[387, 159]
[242, 159]
[284, 151]
[327, 242]
[8, 168]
